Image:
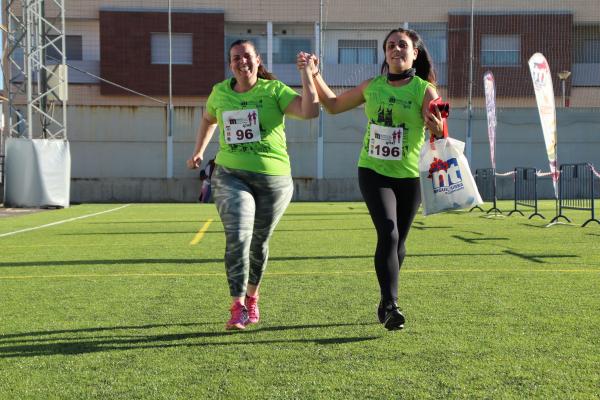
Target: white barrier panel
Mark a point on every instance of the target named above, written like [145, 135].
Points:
[37, 172]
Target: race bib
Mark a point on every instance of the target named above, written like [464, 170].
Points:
[241, 126]
[385, 143]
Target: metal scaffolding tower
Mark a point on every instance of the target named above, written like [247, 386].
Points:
[37, 157]
[35, 69]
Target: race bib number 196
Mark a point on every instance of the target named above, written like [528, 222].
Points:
[241, 126]
[385, 142]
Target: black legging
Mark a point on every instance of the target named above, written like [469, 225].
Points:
[393, 204]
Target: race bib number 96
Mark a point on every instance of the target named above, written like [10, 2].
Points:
[385, 143]
[241, 126]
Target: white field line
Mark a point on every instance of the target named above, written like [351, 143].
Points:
[62, 222]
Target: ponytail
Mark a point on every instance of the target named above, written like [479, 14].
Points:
[264, 74]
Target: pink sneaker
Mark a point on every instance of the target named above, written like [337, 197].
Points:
[239, 317]
[252, 306]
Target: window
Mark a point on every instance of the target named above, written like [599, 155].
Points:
[285, 48]
[288, 48]
[437, 48]
[435, 37]
[591, 50]
[586, 44]
[357, 51]
[501, 50]
[74, 48]
[182, 50]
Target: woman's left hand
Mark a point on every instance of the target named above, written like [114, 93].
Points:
[435, 123]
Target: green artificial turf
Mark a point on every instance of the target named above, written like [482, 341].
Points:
[120, 305]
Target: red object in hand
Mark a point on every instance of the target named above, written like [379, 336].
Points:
[442, 106]
[444, 109]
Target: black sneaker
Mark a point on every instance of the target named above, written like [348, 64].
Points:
[394, 319]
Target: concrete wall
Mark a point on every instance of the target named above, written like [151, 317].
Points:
[119, 153]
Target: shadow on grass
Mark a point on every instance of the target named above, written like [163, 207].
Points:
[186, 232]
[420, 225]
[97, 329]
[289, 214]
[221, 232]
[476, 240]
[538, 258]
[138, 261]
[369, 229]
[158, 221]
[130, 261]
[422, 228]
[474, 233]
[457, 212]
[544, 226]
[75, 346]
[198, 261]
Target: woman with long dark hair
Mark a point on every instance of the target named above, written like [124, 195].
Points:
[397, 108]
[252, 180]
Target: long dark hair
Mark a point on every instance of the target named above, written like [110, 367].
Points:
[422, 64]
[262, 71]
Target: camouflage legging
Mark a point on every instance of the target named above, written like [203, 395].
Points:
[250, 206]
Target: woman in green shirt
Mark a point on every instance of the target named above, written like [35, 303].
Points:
[397, 108]
[252, 181]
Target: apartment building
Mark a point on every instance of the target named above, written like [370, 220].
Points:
[126, 42]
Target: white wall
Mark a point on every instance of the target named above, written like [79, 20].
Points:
[115, 143]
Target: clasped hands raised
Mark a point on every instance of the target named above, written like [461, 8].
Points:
[307, 61]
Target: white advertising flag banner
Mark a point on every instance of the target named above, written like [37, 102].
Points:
[544, 96]
[490, 106]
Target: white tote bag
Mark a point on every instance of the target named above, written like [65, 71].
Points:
[446, 179]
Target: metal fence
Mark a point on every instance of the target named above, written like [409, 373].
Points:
[485, 179]
[526, 191]
[576, 191]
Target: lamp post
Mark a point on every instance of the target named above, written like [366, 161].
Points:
[469, 138]
[563, 76]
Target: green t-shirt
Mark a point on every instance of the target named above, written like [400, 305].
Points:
[252, 137]
[393, 110]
